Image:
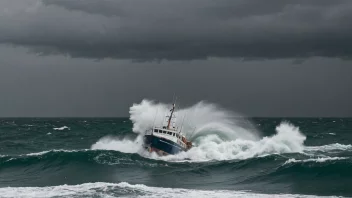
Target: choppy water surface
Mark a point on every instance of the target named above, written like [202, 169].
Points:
[232, 157]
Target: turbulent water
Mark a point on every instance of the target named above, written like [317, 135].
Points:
[232, 156]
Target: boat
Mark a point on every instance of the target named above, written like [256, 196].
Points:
[168, 139]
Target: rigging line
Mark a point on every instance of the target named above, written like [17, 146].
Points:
[157, 109]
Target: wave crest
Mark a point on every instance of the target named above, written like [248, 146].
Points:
[317, 160]
[288, 139]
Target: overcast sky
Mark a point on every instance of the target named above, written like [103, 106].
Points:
[98, 57]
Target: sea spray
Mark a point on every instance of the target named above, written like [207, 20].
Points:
[205, 118]
[219, 134]
[288, 139]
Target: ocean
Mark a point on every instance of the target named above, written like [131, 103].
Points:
[233, 156]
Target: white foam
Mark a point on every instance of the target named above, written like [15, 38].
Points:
[288, 139]
[36, 154]
[87, 189]
[62, 128]
[54, 150]
[10, 159]
[318, 160]
[329, 147]
[101, 189]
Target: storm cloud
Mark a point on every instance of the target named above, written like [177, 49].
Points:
[180, 30]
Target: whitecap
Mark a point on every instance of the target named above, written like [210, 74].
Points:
[329, 147]
[62, 128]
[318, 160]
[54, 150]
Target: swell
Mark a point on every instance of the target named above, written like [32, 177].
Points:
[293, 172]
[277, 164]
[318, 167]
[61, 157]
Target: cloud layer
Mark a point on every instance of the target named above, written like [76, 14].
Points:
[180, 30]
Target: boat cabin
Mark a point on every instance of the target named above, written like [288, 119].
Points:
[168, 132]
[173, 135]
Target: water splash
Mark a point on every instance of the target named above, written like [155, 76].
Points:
[205, 118]
[220, 134]
[123, 145]
[288, 139]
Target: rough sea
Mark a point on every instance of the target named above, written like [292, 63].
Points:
[233, 156]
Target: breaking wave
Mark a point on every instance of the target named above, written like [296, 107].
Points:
[287, 139]
[219, 134]
[102, 189]
[204, 117]
[124, 145]
[61, 128]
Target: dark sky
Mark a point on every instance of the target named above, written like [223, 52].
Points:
[98, 57]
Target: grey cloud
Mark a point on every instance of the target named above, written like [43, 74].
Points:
[180, 30]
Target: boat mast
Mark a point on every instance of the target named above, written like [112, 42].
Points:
[170, 117]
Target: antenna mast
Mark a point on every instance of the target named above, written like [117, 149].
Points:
[170, 117]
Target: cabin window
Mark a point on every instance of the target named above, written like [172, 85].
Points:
[164, 132]
[156, 130]
[160, 131]
[174, 134]
[169, 133]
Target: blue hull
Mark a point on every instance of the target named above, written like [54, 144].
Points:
[161, 145]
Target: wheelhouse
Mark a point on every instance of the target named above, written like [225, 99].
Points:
[167, 132]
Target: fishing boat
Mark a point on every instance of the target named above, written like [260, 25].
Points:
[168, 139]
